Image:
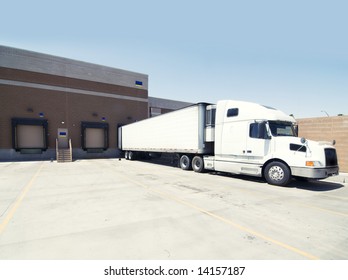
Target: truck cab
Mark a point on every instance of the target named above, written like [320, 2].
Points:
[261, 141]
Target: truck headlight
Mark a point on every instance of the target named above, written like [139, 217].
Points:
[313, 163]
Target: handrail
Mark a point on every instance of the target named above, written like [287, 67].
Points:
[57, 149]
[70, 148]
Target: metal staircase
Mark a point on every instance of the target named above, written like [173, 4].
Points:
[64, 154]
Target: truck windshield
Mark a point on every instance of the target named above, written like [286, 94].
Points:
[281, 128]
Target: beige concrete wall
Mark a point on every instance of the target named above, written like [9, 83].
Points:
[328, 129]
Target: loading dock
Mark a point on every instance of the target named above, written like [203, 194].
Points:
[29, 135]
[64, 97]
[94, 136]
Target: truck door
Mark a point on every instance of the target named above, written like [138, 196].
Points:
[258, 142]
[234, 138]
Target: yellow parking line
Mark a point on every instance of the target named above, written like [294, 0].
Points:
[19, 199]
[225, 220]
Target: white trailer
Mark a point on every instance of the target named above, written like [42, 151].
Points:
[181, 131]
[232, 136]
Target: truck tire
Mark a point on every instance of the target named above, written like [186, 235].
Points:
[185, 162]
[131, 155]
[198, 164]
[277, 173]
[126, 155]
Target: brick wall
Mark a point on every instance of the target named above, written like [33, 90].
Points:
[328, 129]
[65, 103]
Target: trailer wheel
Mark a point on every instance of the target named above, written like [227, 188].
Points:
[126, 155]
[185, 162]
[198, 164]
[277, 173]
[131, 155]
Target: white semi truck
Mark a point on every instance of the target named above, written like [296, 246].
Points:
[235, 137]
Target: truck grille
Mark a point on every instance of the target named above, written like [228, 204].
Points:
[330, 157]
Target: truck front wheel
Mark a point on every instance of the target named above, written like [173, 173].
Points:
[277, 173]
[185, 162]
[198, 164]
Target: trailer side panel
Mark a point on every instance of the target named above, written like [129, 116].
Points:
[181, 131]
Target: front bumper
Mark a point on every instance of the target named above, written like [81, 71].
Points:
[314, 173]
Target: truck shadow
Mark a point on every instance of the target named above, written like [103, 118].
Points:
[309, 185]
[169, 160]
[315, 186]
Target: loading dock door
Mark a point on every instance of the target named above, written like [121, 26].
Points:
[30, 137]
[95, 138]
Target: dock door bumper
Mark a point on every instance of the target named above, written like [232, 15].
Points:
[314, 173]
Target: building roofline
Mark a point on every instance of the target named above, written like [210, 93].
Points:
[55, 65]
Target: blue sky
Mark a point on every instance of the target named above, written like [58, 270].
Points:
[292, 55]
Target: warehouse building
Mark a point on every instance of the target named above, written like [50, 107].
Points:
[58, 108]
[159, 106]
[52, 106]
